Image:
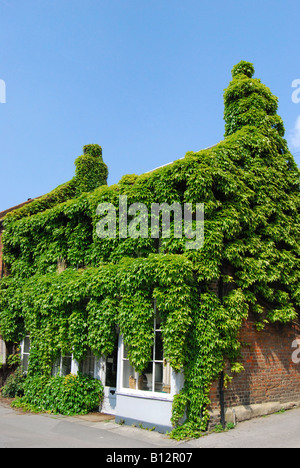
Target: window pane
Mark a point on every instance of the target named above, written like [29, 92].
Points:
[25, 359]
[158, 377]
[159, 352]
[87, 366]
[26, 344]
[56, 367]
[129, 380]
[148, 378]
[157, 321]
[166, 388]
[125, 352]
[66, 365]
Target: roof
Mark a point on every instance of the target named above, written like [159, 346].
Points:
[3, 213]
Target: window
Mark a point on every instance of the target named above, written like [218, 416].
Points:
[2, 352]
[87, 367]
[157, 375]
[25, 349]
[108, 373]
[111, 368]
[62, 366]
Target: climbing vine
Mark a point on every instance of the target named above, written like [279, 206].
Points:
[249, 184]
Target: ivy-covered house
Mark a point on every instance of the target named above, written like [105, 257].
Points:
[176, 327]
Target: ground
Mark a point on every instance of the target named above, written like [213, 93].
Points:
[23, 429]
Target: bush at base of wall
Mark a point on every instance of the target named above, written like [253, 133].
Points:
[14, 384]
[69, 395]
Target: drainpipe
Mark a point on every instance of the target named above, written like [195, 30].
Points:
[222, 403]
[221, 381]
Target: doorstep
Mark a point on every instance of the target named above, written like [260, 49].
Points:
[95, 417]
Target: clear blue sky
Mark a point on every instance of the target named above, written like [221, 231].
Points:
[142, 78]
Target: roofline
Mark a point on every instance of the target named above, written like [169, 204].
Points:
[4, 213]
[168, 164]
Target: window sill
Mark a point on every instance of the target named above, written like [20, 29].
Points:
[145, 395]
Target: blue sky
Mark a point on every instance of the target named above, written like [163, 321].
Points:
[142, 78]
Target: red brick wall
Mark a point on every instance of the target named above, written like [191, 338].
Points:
[270, 374]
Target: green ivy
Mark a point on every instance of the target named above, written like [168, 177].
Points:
[249, 184]
[91, 171]
[69, 395]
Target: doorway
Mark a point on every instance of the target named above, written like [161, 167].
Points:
[110, 381]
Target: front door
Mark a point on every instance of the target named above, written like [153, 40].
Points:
[110, 365]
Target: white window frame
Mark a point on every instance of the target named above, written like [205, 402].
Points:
[89, 355]
[3, 351]
[104, 371]
[58, 363]
[139, 392]
[99, 371]
[23, 353]
[100, 367]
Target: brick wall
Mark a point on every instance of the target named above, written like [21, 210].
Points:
[270, 374]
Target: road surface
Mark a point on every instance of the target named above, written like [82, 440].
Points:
[28, 430]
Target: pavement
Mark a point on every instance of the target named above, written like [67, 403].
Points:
[20, 429]
[280, 430]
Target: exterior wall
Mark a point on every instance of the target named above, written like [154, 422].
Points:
[3, 271]
[271, 374]
[2, 344]
[2, 215]
[1, 248]
[152, 412]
